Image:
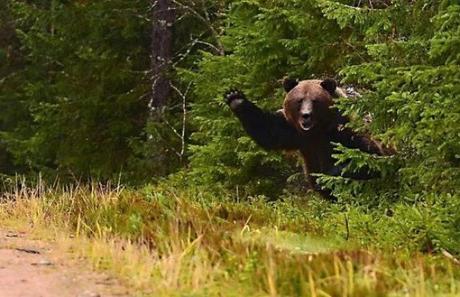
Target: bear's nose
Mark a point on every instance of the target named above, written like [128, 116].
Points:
[306, 116]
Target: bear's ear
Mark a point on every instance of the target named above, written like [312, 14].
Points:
[289, 84]
[329, 85]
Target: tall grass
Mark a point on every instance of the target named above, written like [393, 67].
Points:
[169, 242]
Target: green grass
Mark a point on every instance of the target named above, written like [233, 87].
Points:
[167, 242]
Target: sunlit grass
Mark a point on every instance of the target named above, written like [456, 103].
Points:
[166, 242]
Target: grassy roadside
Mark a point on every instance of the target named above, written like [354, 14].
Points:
[167, 242]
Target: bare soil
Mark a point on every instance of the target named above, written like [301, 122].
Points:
[33, 268]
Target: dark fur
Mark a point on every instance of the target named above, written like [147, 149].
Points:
[280, 131]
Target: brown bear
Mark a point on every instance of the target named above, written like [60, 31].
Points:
[308, 123]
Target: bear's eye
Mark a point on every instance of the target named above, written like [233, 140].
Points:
[299, 103]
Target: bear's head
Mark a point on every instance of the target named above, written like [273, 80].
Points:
[307, 105]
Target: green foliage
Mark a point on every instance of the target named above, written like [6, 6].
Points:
[411, 78]
[77, 96]
[76, 89]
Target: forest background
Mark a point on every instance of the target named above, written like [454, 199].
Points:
[132, 91]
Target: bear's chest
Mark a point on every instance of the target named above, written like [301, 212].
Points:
[317, 155]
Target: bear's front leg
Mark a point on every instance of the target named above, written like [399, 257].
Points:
[270, 130]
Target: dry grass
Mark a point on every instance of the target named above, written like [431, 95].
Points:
[164, 242]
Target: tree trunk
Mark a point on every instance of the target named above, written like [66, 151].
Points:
[163, 17]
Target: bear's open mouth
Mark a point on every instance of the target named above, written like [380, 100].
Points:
[306, 124]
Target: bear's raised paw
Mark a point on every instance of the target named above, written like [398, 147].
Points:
[234, 97]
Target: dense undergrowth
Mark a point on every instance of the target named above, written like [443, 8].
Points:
[169, 241]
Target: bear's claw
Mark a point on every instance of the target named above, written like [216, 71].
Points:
[232, 95]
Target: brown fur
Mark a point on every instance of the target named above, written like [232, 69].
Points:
[311, 90]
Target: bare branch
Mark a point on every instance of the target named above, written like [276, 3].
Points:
[205, 20]
[184, 116]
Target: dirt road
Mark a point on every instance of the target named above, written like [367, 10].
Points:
[33, 268]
